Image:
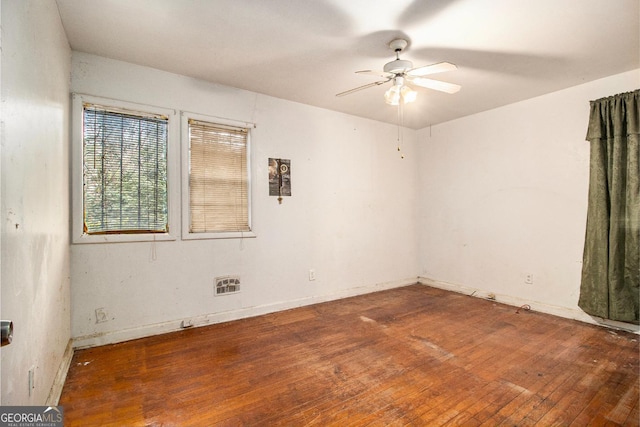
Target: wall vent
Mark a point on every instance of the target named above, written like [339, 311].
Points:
[227, 285]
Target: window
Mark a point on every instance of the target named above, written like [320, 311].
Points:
[124, 177]
[217, 185]
[125, 171]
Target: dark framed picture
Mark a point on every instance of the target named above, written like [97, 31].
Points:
[279, 177]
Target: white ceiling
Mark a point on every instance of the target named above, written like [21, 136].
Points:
[308, 50]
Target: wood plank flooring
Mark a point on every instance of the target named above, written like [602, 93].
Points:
[414, 356]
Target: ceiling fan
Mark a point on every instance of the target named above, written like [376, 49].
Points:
[401, 71]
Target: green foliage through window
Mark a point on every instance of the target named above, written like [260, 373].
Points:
[125, 171]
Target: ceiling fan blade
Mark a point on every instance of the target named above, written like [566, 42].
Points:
[435, 84]
[440, 67]
[350, 91]
[376, 73]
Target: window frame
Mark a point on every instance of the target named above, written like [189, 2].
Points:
[77, 136]
[186, 205]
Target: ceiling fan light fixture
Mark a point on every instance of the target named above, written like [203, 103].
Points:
[401, 70]
[399, 91]
[392, 95]
[408, 94]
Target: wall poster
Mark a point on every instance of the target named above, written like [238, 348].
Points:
[279, 178]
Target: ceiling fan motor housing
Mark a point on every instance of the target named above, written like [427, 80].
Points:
[398, 45]
[399, 66]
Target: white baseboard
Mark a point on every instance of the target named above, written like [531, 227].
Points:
[568, 313]
[94, 340]
[61, 376]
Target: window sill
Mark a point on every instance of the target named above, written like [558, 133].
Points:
[122, 238]
[220, 235]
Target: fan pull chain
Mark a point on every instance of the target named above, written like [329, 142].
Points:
[400, 122]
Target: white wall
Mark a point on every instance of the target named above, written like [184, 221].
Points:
[352, 215]
[503, 194]
[35, 203]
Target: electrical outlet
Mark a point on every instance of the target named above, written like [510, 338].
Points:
[101, 315]
[528, 279]
[312, 275]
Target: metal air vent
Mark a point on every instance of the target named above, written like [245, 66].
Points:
[227, 285]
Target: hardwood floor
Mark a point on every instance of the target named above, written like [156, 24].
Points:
[409, 356]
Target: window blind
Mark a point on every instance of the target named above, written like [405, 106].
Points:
[218, 178]
[125, 171]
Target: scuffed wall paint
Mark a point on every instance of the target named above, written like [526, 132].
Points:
[35, 203]
[351, 217]
[503, 197]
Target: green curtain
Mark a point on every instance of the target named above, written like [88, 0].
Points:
[611, 259]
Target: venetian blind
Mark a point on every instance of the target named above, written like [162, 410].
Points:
[125, 171]
[218, 179]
